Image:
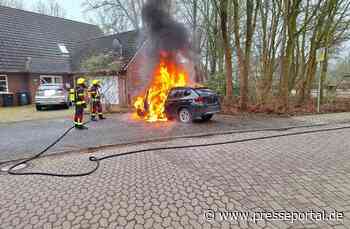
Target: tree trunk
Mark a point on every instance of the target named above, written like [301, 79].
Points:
[243, 87]
[323, 75]
[304, 92]
[227, 48]
[267, 62]
[244, 55]
[291, 13]
[196, 43]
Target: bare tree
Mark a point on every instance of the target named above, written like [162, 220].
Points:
[267, 42]
[51, 7]
[18, 4]
[116, 15]
[223, 8]
[244, 53]
[330, 26]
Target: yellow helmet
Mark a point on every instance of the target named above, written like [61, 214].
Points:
[81, 81]
[95, 82]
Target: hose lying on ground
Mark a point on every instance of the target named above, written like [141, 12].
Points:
[98, 160]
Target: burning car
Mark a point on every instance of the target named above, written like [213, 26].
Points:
[170, 95]
[171, 70]
[187, 104]
[167, 75]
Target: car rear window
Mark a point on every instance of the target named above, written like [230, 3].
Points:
[204, 91]
[176, 93]
[50, 87]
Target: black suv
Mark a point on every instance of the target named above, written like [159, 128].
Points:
[187, 104]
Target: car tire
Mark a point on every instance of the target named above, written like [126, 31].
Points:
[66, 106]
[184, 115]
[39, 107]
[206, 118]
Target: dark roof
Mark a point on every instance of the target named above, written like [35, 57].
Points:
[26, 34]
[129, 41]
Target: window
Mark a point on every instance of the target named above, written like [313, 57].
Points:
[177, 93]
[51, 79]
[172, 94]
[3, 84]
[187, 92]
[63, 48]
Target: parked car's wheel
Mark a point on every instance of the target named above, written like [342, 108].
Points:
[185, 115]
[38, 107]
[207, 117]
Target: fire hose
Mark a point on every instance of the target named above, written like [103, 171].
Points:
[97, 160]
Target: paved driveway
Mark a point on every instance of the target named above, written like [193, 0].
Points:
[225, 186]
[22, 139]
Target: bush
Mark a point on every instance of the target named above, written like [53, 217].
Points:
[100, 62]
[217, 83]
[330, 96]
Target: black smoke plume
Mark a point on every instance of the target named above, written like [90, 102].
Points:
[163, 31]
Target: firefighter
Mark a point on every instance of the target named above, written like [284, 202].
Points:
[95, 98]
[80, 103]
[71, 96]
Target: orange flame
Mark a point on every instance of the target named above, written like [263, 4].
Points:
[167, 75]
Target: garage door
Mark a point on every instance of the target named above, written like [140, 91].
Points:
[110, 89]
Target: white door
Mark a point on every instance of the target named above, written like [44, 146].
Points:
[110, 89]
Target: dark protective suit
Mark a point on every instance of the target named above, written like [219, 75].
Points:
[80, 104]
[96, 105]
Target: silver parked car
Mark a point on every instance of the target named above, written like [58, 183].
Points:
[51, 94]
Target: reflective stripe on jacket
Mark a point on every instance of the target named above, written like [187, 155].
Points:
[71, 95]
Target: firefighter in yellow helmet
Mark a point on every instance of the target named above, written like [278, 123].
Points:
[80, 103]
[95, 98]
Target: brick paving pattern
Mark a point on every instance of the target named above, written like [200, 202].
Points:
[174, 188]
[24, 139]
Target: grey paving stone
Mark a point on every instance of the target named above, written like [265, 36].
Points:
[174, 188]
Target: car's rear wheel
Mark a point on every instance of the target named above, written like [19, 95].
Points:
[185, 115]
[207, 117]
[38, 107]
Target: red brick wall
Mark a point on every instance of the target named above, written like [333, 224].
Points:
[23, 82]
[122, 90]
[68, 79]
[33, 85]
[137, 76]
[17, 82]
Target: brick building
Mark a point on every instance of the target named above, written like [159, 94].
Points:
[127, 50]
[37, 49]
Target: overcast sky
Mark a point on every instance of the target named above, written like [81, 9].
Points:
[72, 7]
